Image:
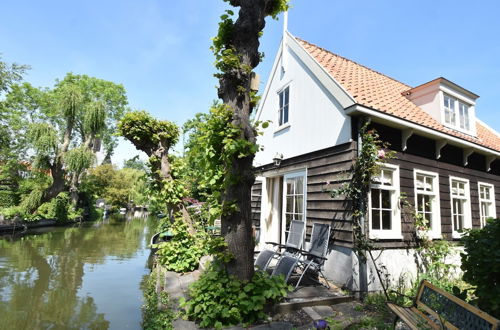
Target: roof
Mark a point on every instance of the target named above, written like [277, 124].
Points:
[379, 92]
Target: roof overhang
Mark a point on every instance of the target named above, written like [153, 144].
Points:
[445, 82]
[402, 124]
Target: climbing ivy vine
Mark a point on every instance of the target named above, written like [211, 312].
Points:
[372, 154]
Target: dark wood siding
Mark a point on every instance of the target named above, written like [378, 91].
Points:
[420, 154]
[326, 170]
[256, 202]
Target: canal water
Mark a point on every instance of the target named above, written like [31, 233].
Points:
[85, 277]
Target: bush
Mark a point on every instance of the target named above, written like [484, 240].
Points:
[219, 299]
[14, 211]
[152, 317]
[57, 208]
[481, 265]
[183, 252]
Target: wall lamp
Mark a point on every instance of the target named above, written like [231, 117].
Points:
[277, 159]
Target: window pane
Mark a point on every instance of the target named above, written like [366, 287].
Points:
[428, 183]
[376, 198]
[386, 199]
[299, 187]
[420, 203]
[285, 114]
[289, 187]
[427, 203]
[286, 96]
[289, 204]
[464, 116]
[375, 219]
[299, 206]
[387, 177]
[386, 220]
[420, 182]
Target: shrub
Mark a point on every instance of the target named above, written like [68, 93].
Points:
[56, 209]
[152, 317]
[481, 265]
[183, 252]
[12, 212]
[219, 299]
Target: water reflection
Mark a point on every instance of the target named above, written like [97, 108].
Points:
[64, 278]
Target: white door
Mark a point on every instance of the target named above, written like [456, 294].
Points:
[294, 201]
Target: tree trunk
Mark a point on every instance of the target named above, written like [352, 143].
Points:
[58, 183]
[162, 153]
[244, 40]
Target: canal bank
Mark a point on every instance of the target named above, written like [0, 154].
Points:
[86, 276]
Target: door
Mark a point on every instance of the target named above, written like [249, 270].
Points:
[294, 201]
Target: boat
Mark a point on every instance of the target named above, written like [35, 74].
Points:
[160, 237]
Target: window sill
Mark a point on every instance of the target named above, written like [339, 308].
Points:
[470, 132]
[457, 235]
[386, 236]
[282, 127]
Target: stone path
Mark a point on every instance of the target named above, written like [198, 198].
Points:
[177, 286]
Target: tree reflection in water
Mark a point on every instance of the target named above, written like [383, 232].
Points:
[41, 274]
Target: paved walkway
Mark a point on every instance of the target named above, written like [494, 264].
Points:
[301, 299]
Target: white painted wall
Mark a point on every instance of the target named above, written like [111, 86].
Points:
[342, 267]
[316, 119]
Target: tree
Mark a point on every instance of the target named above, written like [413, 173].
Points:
[155, 138]
[63, 125]
[236, 48]
[135, 163]
[481, 265]
[117, 187]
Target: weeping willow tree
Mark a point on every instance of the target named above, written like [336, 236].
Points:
[155, 138]
[64, 127]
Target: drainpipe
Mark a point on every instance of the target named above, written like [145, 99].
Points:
[363, 268]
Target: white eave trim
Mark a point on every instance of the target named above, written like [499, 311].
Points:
[324, 77]
[418, 128]
[274, 69]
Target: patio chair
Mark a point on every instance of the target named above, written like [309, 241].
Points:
[293, 244]
[307, 261]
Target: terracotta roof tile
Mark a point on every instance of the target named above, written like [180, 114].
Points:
[385, 94]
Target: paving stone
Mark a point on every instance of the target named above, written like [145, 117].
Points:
[323, 311]
[274, 326]
[180, 324]
[318, 312]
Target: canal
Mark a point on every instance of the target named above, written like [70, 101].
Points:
[85, 277]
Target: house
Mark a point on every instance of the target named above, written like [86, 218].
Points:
[447, 162]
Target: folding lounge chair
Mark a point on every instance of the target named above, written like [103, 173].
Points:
[293, 244]
[308, 260]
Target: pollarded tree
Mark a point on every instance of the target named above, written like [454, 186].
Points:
[236, 48]
[155, 138]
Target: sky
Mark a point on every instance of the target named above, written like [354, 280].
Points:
[159, 49]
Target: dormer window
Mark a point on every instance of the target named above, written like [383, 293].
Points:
[451, 105]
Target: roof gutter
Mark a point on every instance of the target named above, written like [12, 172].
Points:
[357, 108]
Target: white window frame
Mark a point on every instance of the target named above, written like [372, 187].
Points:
[459, 118]
[395, 231]
[291, 175]
[466, 207]
[491, 201]
[287, 123]
[435, 229]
